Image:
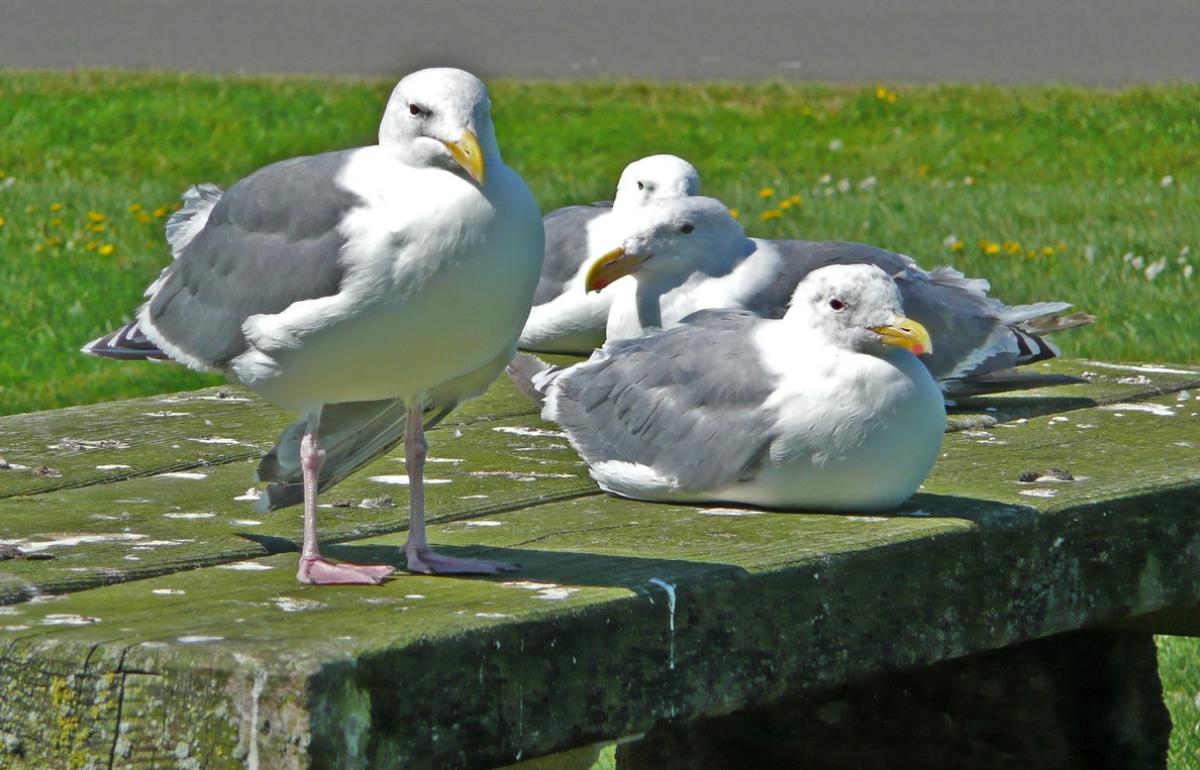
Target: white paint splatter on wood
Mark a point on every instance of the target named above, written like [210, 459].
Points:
[1038, 492]
[402, 479]
[1158, 410]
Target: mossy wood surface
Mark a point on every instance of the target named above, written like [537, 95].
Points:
[168, 629]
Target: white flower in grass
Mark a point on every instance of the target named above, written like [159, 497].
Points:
[1187, 271]
[1154, 268]
[836, 145]
[843, 185]
[950, 240]
[1138, 262]
[867, 184]
[825, 179]
[1089, 253]
[1166, 181]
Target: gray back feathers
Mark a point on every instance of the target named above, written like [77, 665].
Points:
[687, 401]
[271, 240]
[566, 247]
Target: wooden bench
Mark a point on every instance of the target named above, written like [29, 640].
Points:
[167, 629]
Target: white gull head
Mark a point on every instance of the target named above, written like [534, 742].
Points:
[855, 307]
[655, 177]
[441, 118]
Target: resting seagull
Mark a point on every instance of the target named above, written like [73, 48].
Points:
[371, 290]
[565, 318]
[690, 254]
[826, 408]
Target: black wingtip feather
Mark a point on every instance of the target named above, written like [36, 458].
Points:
[127, 343]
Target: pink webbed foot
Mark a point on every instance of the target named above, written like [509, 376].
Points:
[430, 562]
[321, 572]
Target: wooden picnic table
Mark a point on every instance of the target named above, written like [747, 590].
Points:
[167, 629]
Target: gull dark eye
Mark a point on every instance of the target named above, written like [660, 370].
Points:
[687, 228]
[837, 304]
[417, 110]
[641, 186]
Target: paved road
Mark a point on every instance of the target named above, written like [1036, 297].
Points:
[1081, 41]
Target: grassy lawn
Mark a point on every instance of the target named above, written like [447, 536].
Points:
[1051, 193]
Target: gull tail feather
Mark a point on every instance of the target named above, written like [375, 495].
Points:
[1005, 380]
[1054, 322]
[352, 435]
[184, 224]
[532, 376]
[129, 343]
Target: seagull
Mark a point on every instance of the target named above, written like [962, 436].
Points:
[827, 408]
[690, 254]
[370, 290]
[565, 318]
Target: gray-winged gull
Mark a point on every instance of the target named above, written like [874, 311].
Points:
[565, 318]
[826, 408]
[363, 288]
[690, 254]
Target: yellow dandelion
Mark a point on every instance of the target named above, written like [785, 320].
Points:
[1012, 247]
[770, 214]
[785, 204]
[797, 200]
[1031, 254]
[143, 217]
[160, 212]
[90, 245]
[734, 213]
[1, 221]
[989, 247]
[1047, 250]
[957, 246]
[105, 250]
[881, 92]
[923, 169]
[97, 227]
[56, 207]
[1060, 246]
[766, 192]
[891, 97]
[95, 216]
[56, 222]
[135, 208]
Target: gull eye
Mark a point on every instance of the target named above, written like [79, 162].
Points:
[416, 110]
[837, 304]
[687, 228]
[641, 186]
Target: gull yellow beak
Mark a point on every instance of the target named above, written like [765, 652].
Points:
[608, 268]
[468, 155]
[905, 333]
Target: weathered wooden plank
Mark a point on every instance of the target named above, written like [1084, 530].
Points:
[625, 614]
[117, 440]
[110, 442]
[152, 525]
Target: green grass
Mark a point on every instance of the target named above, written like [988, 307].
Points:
[1046, 189]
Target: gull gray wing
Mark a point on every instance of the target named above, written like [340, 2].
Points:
[799, 258]
[566, 247]
[688, 402]
[271, 240]
[972, 333]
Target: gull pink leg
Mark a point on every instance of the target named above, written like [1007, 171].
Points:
[314, 568]
[422, 558]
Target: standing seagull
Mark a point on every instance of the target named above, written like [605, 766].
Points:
[382, 279]
[690, 254]
[565, 318]
[827, 408]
